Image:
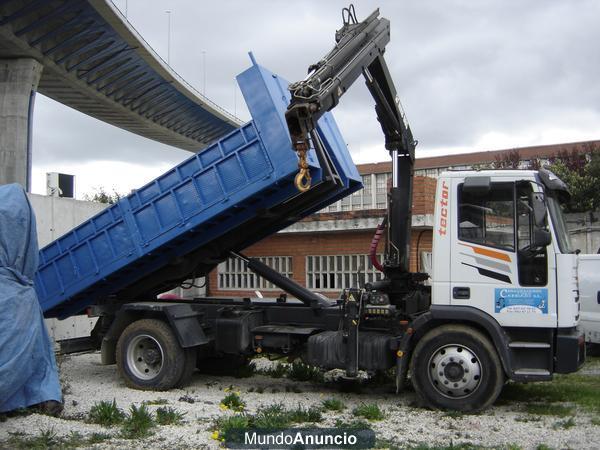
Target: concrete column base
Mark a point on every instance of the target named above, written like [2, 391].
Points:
[18, 83]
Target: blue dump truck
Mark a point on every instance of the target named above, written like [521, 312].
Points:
[288, 162]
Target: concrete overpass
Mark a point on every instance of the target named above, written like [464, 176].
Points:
[84, 54]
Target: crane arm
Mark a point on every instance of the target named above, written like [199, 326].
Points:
[359, 50]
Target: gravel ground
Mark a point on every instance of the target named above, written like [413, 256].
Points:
[88, 382]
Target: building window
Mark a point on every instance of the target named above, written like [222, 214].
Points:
[381, 190]
[338, 272]
[233, 273]
[365, 198]
[367, 192]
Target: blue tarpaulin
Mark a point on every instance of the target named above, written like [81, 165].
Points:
[28, 373]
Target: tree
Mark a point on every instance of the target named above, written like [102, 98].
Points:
[513, 160]
[101, 195]
[578, 168]
[581, 172]
[507, 160]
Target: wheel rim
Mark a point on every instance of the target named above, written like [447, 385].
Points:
[455, 371]
[145, 357]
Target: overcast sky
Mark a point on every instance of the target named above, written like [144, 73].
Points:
[472, 75]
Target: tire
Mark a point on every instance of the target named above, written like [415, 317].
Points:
[456, 367]
[189, 367]
[149, 356]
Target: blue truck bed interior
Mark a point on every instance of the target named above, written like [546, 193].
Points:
[234, 193]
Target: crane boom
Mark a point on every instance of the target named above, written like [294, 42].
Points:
[359, 50]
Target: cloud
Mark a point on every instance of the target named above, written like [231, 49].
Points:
[471, 75]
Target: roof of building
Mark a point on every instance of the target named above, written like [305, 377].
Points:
[462, 159]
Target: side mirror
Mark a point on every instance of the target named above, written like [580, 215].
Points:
[538, 204]
[541, 238]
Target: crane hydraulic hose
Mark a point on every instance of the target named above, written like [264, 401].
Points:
[375, 243]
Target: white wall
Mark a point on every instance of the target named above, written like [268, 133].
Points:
[584, 229]
[54, 217]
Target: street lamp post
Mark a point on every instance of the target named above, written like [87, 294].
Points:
[203, 72]
[168, 36]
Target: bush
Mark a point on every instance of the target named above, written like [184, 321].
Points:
[138, 424]
[106, 413]
[369, 411]
[333, 404]
[168, 416]
[233, 401]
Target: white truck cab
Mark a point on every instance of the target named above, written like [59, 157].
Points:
[501, 248]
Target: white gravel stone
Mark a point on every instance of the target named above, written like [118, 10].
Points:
[88, 382]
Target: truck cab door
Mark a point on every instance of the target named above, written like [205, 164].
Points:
[495, 266]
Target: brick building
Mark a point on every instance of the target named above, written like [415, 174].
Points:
[328, 251]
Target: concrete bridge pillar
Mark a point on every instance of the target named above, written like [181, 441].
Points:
[18, 83]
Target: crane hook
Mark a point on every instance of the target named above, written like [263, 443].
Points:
[303, 178]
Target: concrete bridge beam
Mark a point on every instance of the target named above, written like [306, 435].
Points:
[18, 84]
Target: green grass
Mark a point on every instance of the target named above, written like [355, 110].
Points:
[165, 415]
[543, 447]
[274, 416]
[454, 414]
[582, 390]
[564, 424]
[46, 439]
[526, 419]
[227, 426]
[545, 409]
[356, 424]
[246, 371]
[464, 446]
[333, 404]
[305, 415]
[138, 424]
[49, 439]
[158, 401]
[233, 401]
[299, 371]
[595, 421]
[292, 388]
[369, 411]
[106, 413]
[96, 438]
[278, 371]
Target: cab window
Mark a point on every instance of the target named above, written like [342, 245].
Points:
[533, 263]
[488, 219]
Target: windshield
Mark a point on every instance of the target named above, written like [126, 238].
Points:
[560, 225]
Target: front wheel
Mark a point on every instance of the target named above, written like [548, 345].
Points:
[456, 367]
[149, 356]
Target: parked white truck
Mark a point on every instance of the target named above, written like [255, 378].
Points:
[588, 272]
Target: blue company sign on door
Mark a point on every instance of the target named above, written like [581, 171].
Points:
[521, 300]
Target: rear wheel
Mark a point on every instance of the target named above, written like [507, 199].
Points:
[150, 357]
[456, 367]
